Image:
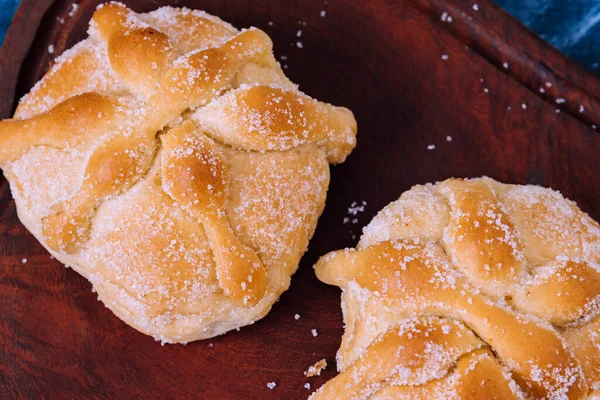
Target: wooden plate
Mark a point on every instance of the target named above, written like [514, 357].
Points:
[469, 87]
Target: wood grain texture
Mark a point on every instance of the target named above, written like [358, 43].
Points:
[382, 59]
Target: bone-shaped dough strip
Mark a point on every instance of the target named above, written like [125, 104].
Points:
[194, 173]
[138, 53]
[276, 118]
[561, 292]
[117, 164]
[477, 222]
[71, 123]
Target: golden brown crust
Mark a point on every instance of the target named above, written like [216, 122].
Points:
[117, 109]
[195, 175]
[533, 320]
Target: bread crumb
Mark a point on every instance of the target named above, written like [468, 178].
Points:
[316, 368]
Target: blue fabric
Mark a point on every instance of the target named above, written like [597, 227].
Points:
[7, 10]
[572, 26]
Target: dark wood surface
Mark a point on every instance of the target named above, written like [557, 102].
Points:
[384, 60]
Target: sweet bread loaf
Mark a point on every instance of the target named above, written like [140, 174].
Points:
[167, 159]
[470, 289]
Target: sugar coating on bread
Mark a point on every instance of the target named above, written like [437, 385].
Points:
[470, 289]
[169, 160]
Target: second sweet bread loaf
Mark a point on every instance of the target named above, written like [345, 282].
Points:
[470, 289]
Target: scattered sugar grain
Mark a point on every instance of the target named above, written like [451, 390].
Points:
[299, 33]
[314, 332]
[561, 100]
[51, 49]
[524, 106]
[323, 13]
[431, 147]
[307, 386]
[297, 317]
[476, 7]
[299, 45]
[24, 261]
[271, 385]
[74, 8]
[581, 109]
[445, 57]
[448, 138]
[505, 65]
